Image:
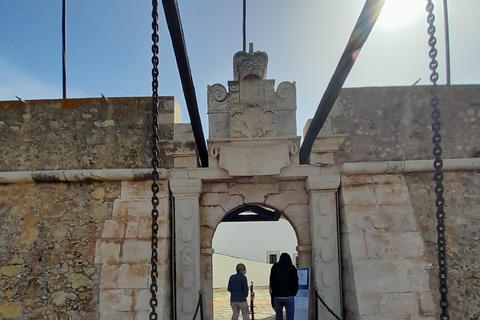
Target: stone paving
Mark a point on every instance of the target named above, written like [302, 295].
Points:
[262, 308]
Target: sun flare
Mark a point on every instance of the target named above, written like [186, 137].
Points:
[397, 14]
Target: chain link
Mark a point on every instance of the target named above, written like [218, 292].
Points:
[155, 164]
[438, 164]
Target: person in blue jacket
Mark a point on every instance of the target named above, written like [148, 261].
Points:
[284, 286]
[238, 288]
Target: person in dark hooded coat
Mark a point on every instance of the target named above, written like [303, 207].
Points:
[284, 286]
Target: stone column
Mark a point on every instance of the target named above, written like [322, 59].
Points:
[324, 232]
[186, 193]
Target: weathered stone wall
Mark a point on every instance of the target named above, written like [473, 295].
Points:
[393, 123]
[48, 234]
[392, 216]
[385, 273]
[462, 207]
[123, 251]
[80, 250]
[82, 133]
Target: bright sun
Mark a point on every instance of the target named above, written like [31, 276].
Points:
[397, 14]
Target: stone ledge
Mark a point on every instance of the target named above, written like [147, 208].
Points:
[134, 174]
[387, 167]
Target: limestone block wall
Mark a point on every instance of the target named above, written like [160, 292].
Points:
[123, 252]
[394, 124]
[385, 271]
[48, 234]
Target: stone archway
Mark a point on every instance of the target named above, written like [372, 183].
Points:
[219, 199]
[307, 202]
[250, 239]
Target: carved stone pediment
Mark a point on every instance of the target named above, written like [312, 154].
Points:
[252, 121]
[251, 107]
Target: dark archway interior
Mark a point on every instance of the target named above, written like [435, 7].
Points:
[252, 212]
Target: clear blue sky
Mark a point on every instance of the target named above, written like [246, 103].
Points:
[108, 45]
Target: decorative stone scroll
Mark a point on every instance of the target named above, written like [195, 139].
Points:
[218, 98]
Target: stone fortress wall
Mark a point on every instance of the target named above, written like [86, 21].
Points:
[75, 222]
[73, 206]
[388, 216]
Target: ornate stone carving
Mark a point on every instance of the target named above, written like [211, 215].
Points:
[293, 147]
[218, 97]
[234, 89]
[187, 256]
[215, 151]
[250, 65]
[253, 121]
[286, 96]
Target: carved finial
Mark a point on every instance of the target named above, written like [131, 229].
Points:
[250, 65]
[250, 47]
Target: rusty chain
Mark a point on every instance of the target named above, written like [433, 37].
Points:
[438, 164]
[155, 164]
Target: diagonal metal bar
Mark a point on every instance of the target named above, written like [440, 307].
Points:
[361, 31]
[172, 17]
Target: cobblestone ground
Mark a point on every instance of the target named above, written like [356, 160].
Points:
[262, 308]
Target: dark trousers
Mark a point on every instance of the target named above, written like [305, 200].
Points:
[279, 303]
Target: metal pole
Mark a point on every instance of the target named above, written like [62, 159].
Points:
[201, 305]
[64, 48]
[245, 25]
[172, 16]
[363, 27]
[252, 296]
[447, 39]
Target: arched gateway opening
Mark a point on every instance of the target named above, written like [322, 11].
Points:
[253, 175]
[254, 235]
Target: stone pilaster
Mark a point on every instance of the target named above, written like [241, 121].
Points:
[207, 282]
[186, 193]
[324, 231]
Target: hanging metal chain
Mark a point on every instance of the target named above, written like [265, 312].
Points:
[438, 164]
[199, 306]
[155, 164]
[325, 305]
